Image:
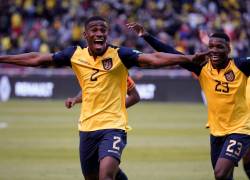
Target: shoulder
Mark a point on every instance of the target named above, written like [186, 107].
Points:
[243, 64]
[127, 51]
[63, 57]
[69, 51]
[128, 56]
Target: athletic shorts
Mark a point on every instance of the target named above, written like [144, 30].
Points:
[231, 147]
[95, 145]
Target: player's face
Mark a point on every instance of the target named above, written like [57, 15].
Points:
[96, 35]
[219, 50]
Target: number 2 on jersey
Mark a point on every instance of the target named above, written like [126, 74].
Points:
[117, 139]
[93, 76]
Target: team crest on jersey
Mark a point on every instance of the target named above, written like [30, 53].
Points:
[229, 75]
[107, 63]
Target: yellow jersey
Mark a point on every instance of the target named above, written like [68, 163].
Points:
[104, 85]
[248, 92]
[225, 93]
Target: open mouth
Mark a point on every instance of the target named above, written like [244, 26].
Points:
[99, 42]
[215, 57]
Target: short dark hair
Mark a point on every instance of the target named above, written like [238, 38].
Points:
[94, 18]
[221, 35]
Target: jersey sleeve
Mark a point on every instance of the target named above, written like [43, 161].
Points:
[128, 56]
[130, 84]
[243, 64]
[192, 67]
[63, 58]
[161, 47]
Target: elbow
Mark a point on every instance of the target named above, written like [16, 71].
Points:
[32, 60]
[137, 98]
[157, 60]
[156, 64]
[153, 63]
[37, 60]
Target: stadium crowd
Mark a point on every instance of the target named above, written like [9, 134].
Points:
[51, 25]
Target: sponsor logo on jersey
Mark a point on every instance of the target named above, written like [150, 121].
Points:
[229, 75]
[83, 61]
[107, 63]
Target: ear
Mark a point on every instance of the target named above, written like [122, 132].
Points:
[229, 48]
[84, 34]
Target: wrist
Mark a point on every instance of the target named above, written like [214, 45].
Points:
[145, 34]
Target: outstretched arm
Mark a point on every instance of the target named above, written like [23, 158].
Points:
[28, 59]
[70, 102]
[160, 59]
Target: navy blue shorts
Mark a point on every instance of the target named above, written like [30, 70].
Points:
[95, 145]
[231, 147]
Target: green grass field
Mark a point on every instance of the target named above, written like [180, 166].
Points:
[39, 141]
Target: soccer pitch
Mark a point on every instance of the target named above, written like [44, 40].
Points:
[39, 141]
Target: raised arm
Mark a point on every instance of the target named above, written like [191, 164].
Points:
[162, 47]
[28, 59]
[152, 41]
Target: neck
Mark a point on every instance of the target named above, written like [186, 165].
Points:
[92, 53]
[221, 66]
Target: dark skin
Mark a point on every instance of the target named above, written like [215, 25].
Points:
[219, 50]
[96, 35]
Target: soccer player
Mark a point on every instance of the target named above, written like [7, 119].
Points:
[132, 98]
[223, 81]
[101, 70]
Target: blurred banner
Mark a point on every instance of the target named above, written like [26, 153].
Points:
[150, 88]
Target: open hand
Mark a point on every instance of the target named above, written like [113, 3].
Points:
[200, 58]
[137, 28]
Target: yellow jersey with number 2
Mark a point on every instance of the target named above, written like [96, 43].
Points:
[103, 81]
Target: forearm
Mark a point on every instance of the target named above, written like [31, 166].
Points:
[160, 59]
[130, 101]
[158, 45]
[78, 98]
[27, 59]
[132, 98]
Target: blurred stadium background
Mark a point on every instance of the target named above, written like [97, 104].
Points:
[38, 139]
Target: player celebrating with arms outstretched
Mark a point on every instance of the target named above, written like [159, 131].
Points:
[101, 70]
